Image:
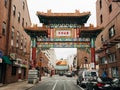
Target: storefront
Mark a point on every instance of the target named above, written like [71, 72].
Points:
[22, 68]
[5, 63]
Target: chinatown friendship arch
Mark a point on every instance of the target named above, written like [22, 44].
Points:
[63, 30]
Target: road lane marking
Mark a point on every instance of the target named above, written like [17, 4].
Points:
[55, 85]
[64, 87]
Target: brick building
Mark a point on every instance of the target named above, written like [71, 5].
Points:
[108, 41]
[81, 55]
[42, 63]
[14, 42]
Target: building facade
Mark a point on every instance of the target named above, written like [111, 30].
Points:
[14, 48]
[83, 59]
[50, 53]
[108, 41]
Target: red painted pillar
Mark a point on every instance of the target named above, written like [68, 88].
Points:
[33, 57]
[33, 52]
[93, 61]
[93, 55]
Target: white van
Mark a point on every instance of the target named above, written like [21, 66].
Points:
[85, 75]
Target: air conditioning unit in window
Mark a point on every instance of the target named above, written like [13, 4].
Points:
[107, 51]
[118, 46]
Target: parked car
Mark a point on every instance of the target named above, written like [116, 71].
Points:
[85, 75]
[69, 74]
[61, 73]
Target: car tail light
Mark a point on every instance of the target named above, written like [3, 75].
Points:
[82, 79]
[100, 84]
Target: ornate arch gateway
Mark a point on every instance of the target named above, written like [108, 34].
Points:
[63, 30]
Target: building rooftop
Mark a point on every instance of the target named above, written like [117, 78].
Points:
[63, 18]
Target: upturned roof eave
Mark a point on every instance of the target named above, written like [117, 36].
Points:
[63, 14]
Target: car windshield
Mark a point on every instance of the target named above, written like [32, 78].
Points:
[93, 74]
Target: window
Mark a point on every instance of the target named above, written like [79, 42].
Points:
[19, 15]
[101, 19]
[110, 8]
[100, 3]
[112, 58]
[14, 10]
[112, 32]
[25, 44]
[114, 71]
[4, 28]
[21, 42]
[5, 2]
[102, 38]
[102, 60]
[23, 5]
[12, 36]
[26, 24]
[23, 22]
[14, 70]
[17, 39]
[12, 33]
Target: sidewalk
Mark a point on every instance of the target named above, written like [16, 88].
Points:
[21, 85]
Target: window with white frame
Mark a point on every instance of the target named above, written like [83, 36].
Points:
[21, 42]
[14, 10]
[115, 72]
[23, 22]
[102, 60]
[112, 31]
[19, 15]
[112, 58]
[4, 28]
[17, 39]
[25, 44]
[12, 36]
[23, 5]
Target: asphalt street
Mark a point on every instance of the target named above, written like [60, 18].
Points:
[58, 83]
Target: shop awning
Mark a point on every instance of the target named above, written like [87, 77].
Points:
[6, 60]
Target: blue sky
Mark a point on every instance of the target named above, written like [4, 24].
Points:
[62, 6]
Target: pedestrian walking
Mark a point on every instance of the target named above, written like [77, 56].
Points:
[104, 74]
